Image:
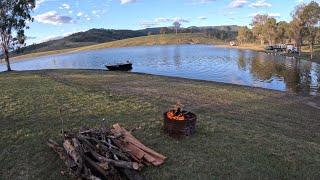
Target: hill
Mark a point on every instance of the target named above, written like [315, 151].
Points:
[97, 36]
[160, 39]
[90, 37]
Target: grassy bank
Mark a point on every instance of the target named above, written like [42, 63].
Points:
[305, 54]
[242, 133]
[253, 47]
[197, 38]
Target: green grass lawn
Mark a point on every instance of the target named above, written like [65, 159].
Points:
[242, 132]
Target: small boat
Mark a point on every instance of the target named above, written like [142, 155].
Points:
[120, 67]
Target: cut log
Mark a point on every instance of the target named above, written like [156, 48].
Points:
[124, 164]
[103, 153]
[116, 163]
[62, 154]
[71, 151]
[130, 138]
[135, 148]
[79, 151]
[96, 167]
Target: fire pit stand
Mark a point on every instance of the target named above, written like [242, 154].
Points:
[180, 128]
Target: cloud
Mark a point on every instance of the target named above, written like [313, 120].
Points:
[202, 17]
[50, 38]
[158, 21]
[65, 6]
[148, 24]
[79, 14]
[237, 3]
[260, 4]
[166, 20]
[163, 20]
[127, 1]
[52, 17]
[31, 37]
[38, 3]
[274, 15]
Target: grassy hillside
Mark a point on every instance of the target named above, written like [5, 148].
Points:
[186, 38]
[91, 37]
[242, 132]
[96, 36]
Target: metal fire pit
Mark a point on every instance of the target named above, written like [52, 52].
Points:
[180, 129]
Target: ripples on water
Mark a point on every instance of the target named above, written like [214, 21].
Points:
[203, 62]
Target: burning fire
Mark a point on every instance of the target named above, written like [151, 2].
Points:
[176, 114]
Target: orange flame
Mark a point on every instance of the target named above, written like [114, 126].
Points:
[171, 115]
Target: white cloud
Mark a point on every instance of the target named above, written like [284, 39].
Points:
[260, 4]
[127, 1]
[202, 17]
[65, 6]
[237, 3]
[38, 3]
[166, 20]
[274, 15]
[79, 14]
[147, 24]
[180, 20]
[50, 38]
[52, 17]
[161, 20]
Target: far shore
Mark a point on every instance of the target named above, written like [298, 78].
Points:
[167, 39]
[252, 47]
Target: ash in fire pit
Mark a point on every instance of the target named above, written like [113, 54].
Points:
[179, 123]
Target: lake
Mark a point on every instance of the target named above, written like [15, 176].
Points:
[204, 62]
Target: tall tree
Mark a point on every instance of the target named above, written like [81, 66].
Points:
[296, 26]
[282, 31]
[244, 35]
[14, 15]
[164, 30]
[176, 26]
[270, 30]
[258, 27]
[310, 17]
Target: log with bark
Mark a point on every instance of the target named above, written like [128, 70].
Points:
[105, 153]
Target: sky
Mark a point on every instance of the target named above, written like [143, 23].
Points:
[57, 18]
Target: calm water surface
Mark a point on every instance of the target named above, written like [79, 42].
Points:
[203, 62]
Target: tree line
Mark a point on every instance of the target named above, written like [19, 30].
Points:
[302, 29]
[210, 32]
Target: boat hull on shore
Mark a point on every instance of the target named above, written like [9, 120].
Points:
[119, 67]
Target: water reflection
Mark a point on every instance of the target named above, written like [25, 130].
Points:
[195, 62]
[297, 75]
[177, 57]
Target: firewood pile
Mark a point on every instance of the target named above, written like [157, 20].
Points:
[105, 153]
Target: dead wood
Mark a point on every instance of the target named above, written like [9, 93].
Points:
[104, 153]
